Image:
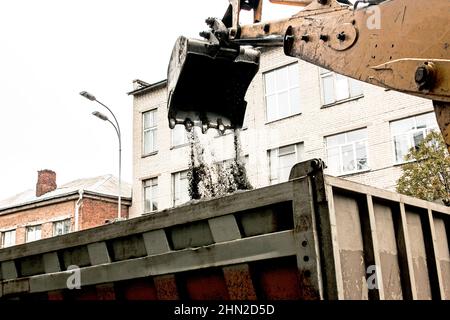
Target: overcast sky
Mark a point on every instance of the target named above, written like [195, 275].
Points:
[51, 50]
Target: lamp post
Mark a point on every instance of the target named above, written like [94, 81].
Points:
[116, 126]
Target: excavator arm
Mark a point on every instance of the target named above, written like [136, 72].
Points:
[401, 45]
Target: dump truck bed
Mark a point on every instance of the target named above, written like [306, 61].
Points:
[314, 237]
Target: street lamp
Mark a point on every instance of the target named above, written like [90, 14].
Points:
[116, 126]
[101, 116]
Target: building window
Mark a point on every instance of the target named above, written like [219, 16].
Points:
[180, 188]
[281, 161]
[231, 161]
[336, 87]
[8, 238]
[409, 132]
[61, 227]
[151, 195]
[179, 136]
[33, 233]
[347, 152]
[282, 92]
[149, 128]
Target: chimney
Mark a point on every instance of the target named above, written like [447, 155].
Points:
[46, 182]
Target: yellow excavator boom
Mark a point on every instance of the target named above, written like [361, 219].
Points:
[401, 45]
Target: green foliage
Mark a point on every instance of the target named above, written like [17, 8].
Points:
[427, 175]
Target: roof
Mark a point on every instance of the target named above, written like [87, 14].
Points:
[105, 185]
[148, 87]
[144, 87]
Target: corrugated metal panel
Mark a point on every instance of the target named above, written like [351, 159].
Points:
[406, 238]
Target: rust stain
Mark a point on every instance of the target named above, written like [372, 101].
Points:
[55, 295]
[207, 285]
[239, 283]
[307, 290]
[166, 287]
[287, 283]
[304, 223]
[105, 292]
[139, 289]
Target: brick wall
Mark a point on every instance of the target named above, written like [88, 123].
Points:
[46, 182]
[373, 111]
[95, 212]
[92, 213]
[44, 216]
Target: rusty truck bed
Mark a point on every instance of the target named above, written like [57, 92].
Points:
[314, 237]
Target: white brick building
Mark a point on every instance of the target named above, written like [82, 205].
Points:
[295, 111]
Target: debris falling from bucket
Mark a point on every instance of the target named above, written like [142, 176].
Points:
[199, 175]
[239, 172]
[219, 178]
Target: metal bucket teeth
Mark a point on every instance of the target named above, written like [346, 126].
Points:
[207, 84]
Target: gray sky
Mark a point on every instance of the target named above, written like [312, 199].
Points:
[51, 50]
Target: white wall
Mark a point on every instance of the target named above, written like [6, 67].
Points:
[374, 110]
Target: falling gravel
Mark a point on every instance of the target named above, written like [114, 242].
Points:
[217, 179]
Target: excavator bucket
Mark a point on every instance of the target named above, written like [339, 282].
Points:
[207, 84]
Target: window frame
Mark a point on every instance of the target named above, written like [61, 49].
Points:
[153, 128]
[410, 133]
[2, 238]
[340, 146]
[186, 140]
[277, 92]
[155, 185]
[68, 220]
[299, 146]
[228, 161]
[173, 186]
[328, 73]
[34, 227]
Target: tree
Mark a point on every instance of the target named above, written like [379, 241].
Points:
[426, 175]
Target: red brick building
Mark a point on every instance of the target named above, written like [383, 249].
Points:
[50, 210]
